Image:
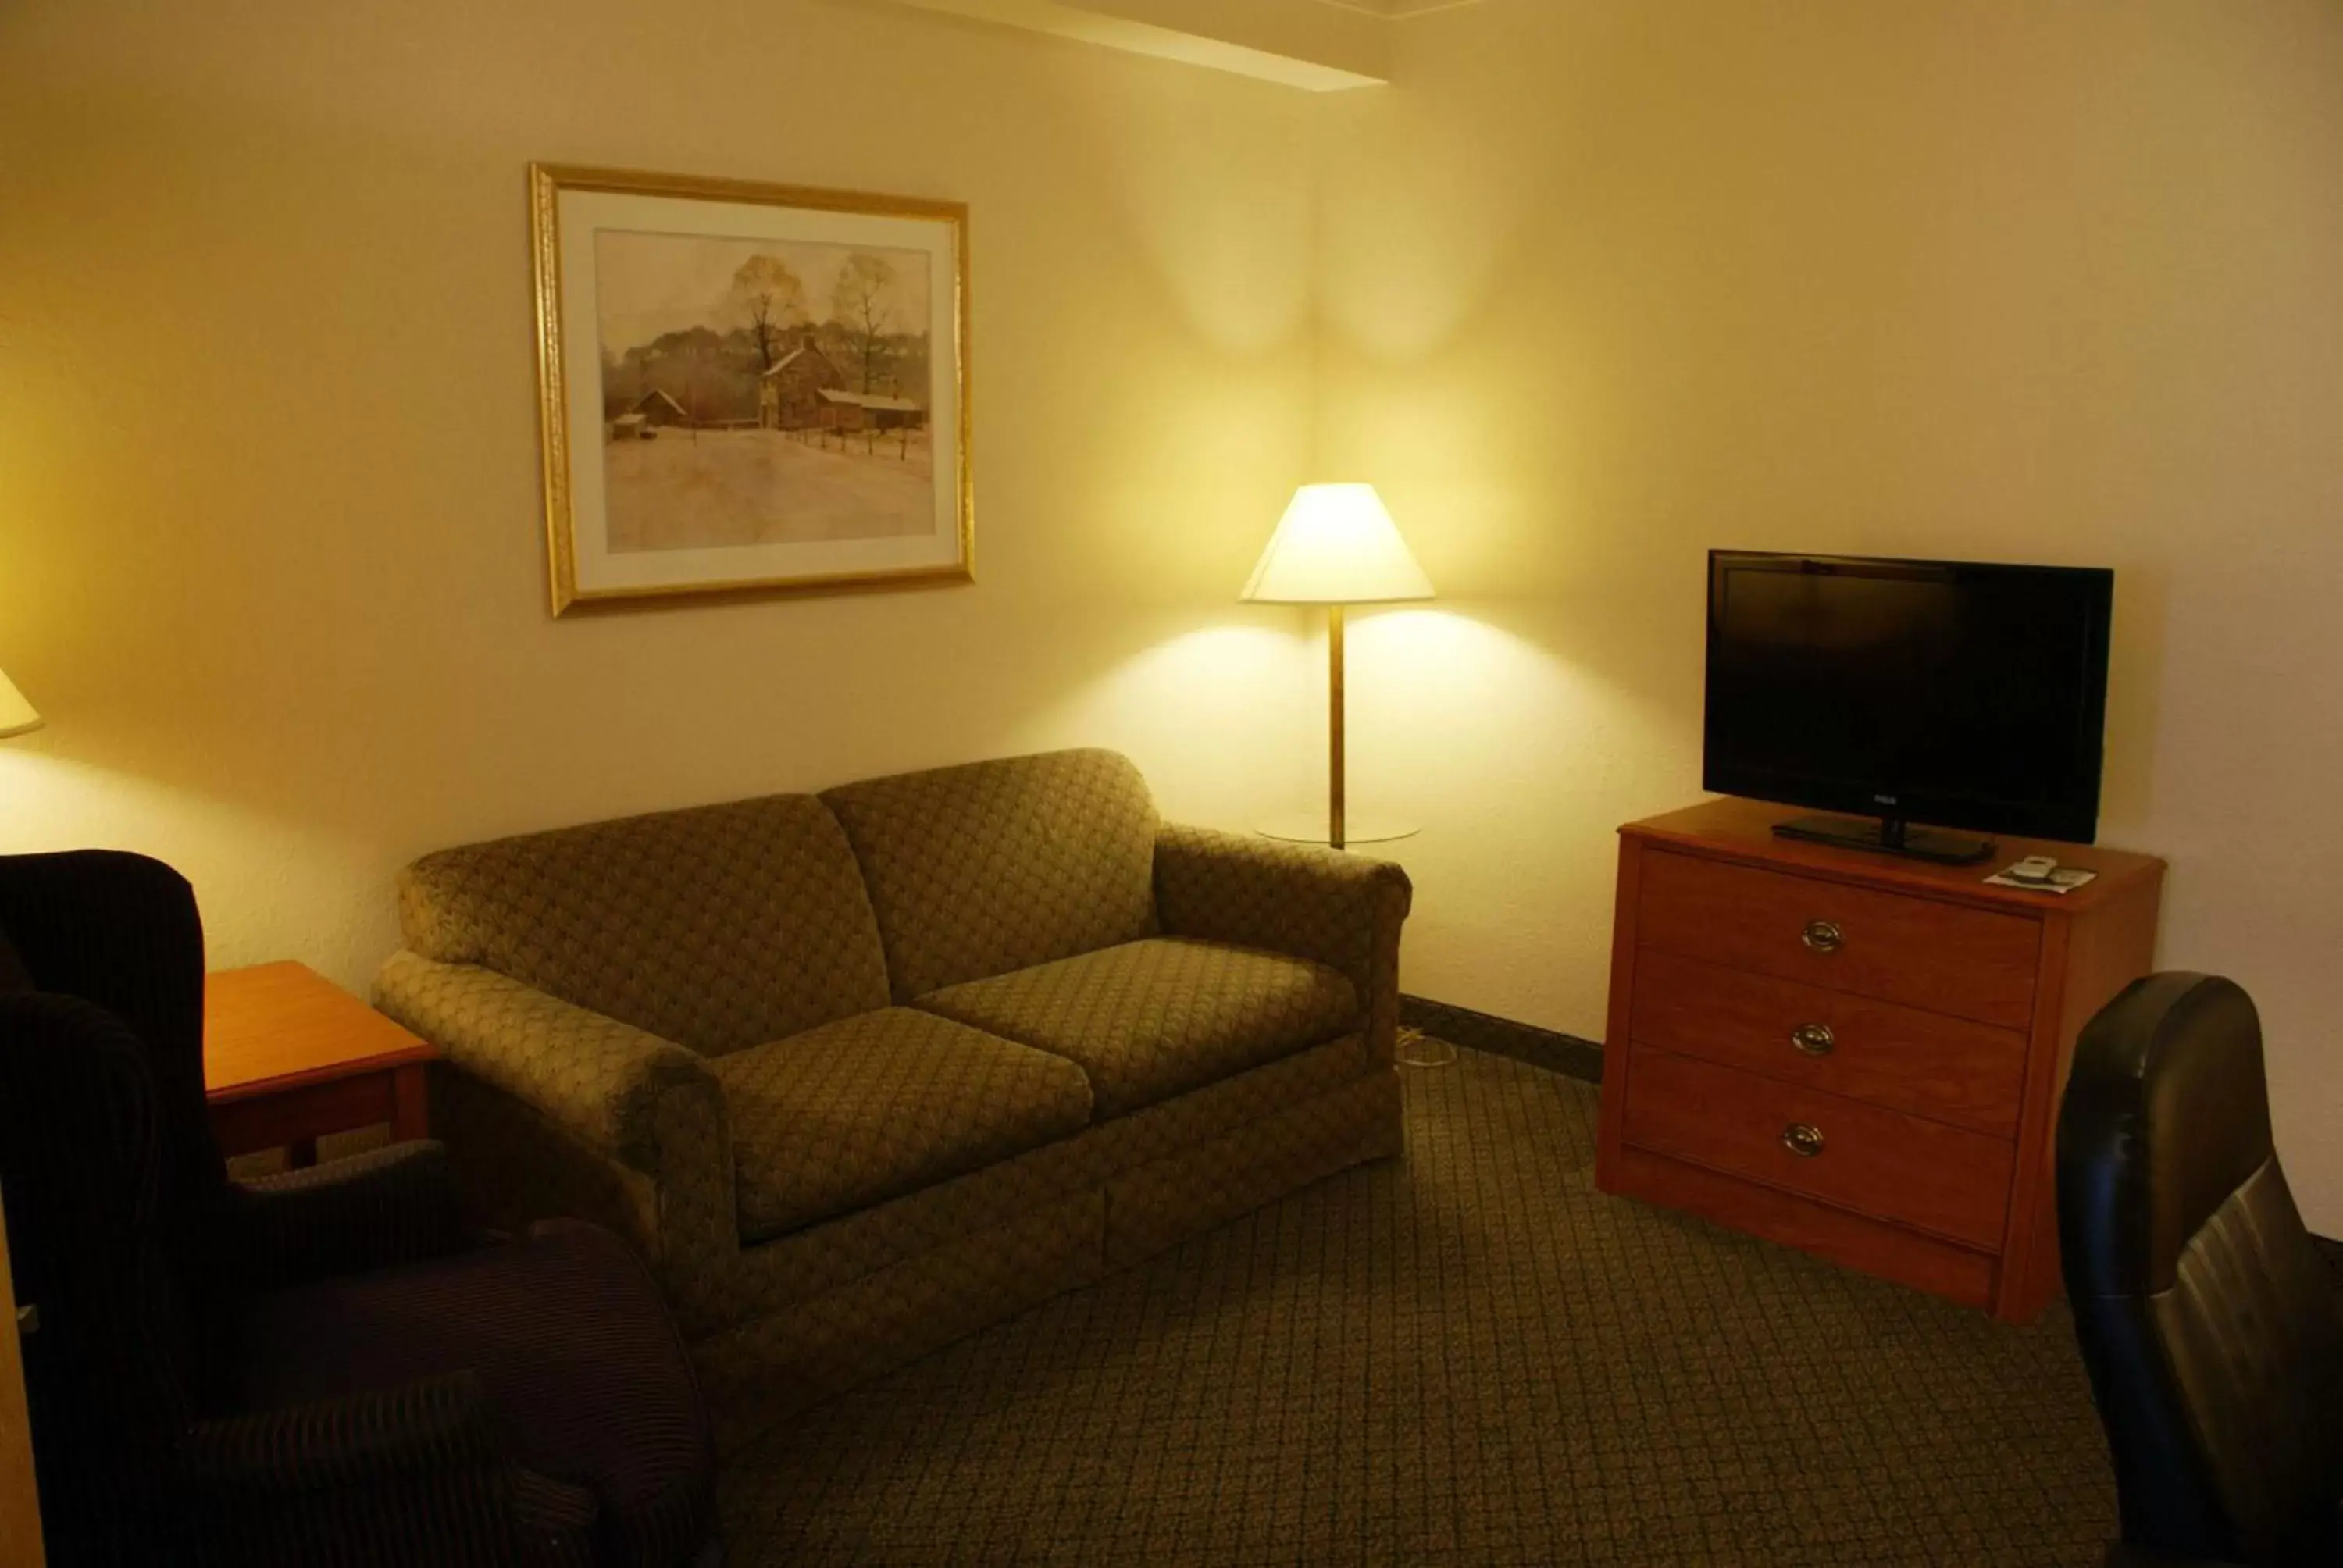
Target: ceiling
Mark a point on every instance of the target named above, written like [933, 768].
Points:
[1318, 46]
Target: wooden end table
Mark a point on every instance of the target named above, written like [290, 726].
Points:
[288, 1055]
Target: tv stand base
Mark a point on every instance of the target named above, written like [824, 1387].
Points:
[1890, 836]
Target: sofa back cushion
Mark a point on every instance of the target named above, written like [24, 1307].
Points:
[991, 866]
[718, 927]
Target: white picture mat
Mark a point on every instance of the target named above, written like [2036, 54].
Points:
[598, 569]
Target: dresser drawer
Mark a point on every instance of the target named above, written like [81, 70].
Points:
[1937, 957]
[1866, 1160]
[1927, 1063]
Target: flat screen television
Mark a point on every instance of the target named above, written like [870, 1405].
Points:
[1953, 693]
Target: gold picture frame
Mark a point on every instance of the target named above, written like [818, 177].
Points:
[776, 395]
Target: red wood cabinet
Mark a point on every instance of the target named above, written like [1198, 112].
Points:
[1857, 1055]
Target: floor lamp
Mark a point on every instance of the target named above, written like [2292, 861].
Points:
[1338, 545]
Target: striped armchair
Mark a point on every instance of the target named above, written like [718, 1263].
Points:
[315, 1369]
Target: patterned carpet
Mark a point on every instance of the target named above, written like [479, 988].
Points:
[1471, 1358]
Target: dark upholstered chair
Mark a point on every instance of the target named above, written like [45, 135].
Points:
[2206, 1316]
[313, 1368]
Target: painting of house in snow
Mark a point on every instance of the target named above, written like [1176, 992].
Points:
[786, 385]
[749, 387]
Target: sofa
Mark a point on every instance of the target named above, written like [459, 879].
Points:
[862, 1073]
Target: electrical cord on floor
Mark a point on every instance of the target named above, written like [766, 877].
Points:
[1416, 1048]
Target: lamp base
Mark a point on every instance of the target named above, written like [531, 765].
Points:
[1310, 828]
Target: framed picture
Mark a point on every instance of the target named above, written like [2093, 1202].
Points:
[748, 388]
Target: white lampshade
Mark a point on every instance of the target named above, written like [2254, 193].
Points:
[16, 715]
[1337, 545]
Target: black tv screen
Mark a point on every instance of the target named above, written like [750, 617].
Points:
[1947, 692]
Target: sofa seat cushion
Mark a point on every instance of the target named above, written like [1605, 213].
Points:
[1152, 1019]
[881, 1104]
[586, 1379]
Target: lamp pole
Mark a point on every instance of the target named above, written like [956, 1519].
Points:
[1335, 726]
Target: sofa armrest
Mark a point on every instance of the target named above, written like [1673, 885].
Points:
[387, 1206]
[1341, 910]
[630, 1101]
[594, 1076]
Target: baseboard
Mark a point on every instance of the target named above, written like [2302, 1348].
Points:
[1550, 1049]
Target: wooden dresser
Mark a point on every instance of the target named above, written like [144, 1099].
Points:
[1855, 1054]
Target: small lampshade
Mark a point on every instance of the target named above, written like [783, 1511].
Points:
[16, 715]
[1337, 545]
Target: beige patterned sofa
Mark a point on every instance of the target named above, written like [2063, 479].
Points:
[863, 1071]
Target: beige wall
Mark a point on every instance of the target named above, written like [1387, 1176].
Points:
[1609, 284]
[270, 549]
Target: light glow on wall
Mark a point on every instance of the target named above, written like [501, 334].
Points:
[1218, 718]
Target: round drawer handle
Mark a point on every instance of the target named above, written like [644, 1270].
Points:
[1803, 1140]
[1823, 936]
[1814, 1038]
